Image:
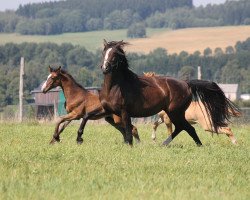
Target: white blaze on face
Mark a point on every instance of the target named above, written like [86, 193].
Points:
[106, 59]
[45, 83]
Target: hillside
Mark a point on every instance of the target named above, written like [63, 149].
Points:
[191, 39]
[174, 41]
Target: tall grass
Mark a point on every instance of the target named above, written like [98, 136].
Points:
[104, 168]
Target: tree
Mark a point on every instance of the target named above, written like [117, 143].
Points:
[229, 50]
[231, 72]
[187, 73]
[137, 30]
[218, 52]
[207, 52]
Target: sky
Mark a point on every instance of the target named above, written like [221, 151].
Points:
[13, 4]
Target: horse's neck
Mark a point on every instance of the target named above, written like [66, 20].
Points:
[70, 87]
[108, 81]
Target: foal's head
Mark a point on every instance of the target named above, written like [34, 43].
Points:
[53, 80]
[113, 56]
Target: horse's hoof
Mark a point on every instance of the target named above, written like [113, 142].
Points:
[138, 141]
[54, 140]
[79, 141]
[199, 145]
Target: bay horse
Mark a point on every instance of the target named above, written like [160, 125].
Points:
[195, 114]
[80, 103]
[126, 94]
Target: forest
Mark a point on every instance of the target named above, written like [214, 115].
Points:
[230, 65]
[89, 15]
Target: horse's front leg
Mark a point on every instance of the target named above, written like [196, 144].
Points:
[56, 136]
[126, 120]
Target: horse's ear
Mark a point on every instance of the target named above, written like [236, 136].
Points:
[50, 69]
[59, 69]
[105, 43]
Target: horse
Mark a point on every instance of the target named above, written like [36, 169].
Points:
[195, 114]
[127, 95]
[80, 103]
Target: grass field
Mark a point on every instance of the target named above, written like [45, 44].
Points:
[91, 40]
[104, 168]
[175, 41]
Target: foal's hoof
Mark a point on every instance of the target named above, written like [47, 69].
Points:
[79, 141]
[199, 145]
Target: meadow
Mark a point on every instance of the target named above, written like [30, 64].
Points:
[175, 41]
[105, 168]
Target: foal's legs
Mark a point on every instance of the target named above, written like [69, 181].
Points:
[228, 132]
[156, 124]
[79, 139]
[56, 135]
[65, 124]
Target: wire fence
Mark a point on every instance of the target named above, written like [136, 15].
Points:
[10, 113]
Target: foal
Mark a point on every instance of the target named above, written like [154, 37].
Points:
[195, 114]
[80, 103]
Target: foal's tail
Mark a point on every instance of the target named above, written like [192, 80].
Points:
[217, 105]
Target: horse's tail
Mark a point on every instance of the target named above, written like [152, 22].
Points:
[217, 105]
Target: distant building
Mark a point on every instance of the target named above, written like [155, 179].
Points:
[245, 97]
[231, 91]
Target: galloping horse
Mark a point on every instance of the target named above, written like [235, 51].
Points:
[195, 114]
[126, 94]
[80, 103]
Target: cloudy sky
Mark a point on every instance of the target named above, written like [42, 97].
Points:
[13, 4]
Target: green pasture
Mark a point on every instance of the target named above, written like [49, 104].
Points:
[105, 168]
[90, 40]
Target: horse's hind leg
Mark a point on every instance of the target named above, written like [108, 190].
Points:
[135, 134]
[156, 124]
[191, 131]
[229, 133]
[181, 123]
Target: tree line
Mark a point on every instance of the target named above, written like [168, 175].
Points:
[230, 65]
[90, 15]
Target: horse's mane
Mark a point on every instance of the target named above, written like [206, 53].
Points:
[149, 74]
[65, 73]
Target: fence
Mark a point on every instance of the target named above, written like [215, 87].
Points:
[10, 113]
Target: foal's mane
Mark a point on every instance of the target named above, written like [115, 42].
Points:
[67, 75]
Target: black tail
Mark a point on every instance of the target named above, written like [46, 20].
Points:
[217, 105]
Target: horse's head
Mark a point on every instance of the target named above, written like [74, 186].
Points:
[113, 56]
[53, 80]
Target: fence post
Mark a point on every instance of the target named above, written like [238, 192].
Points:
[21, 90]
